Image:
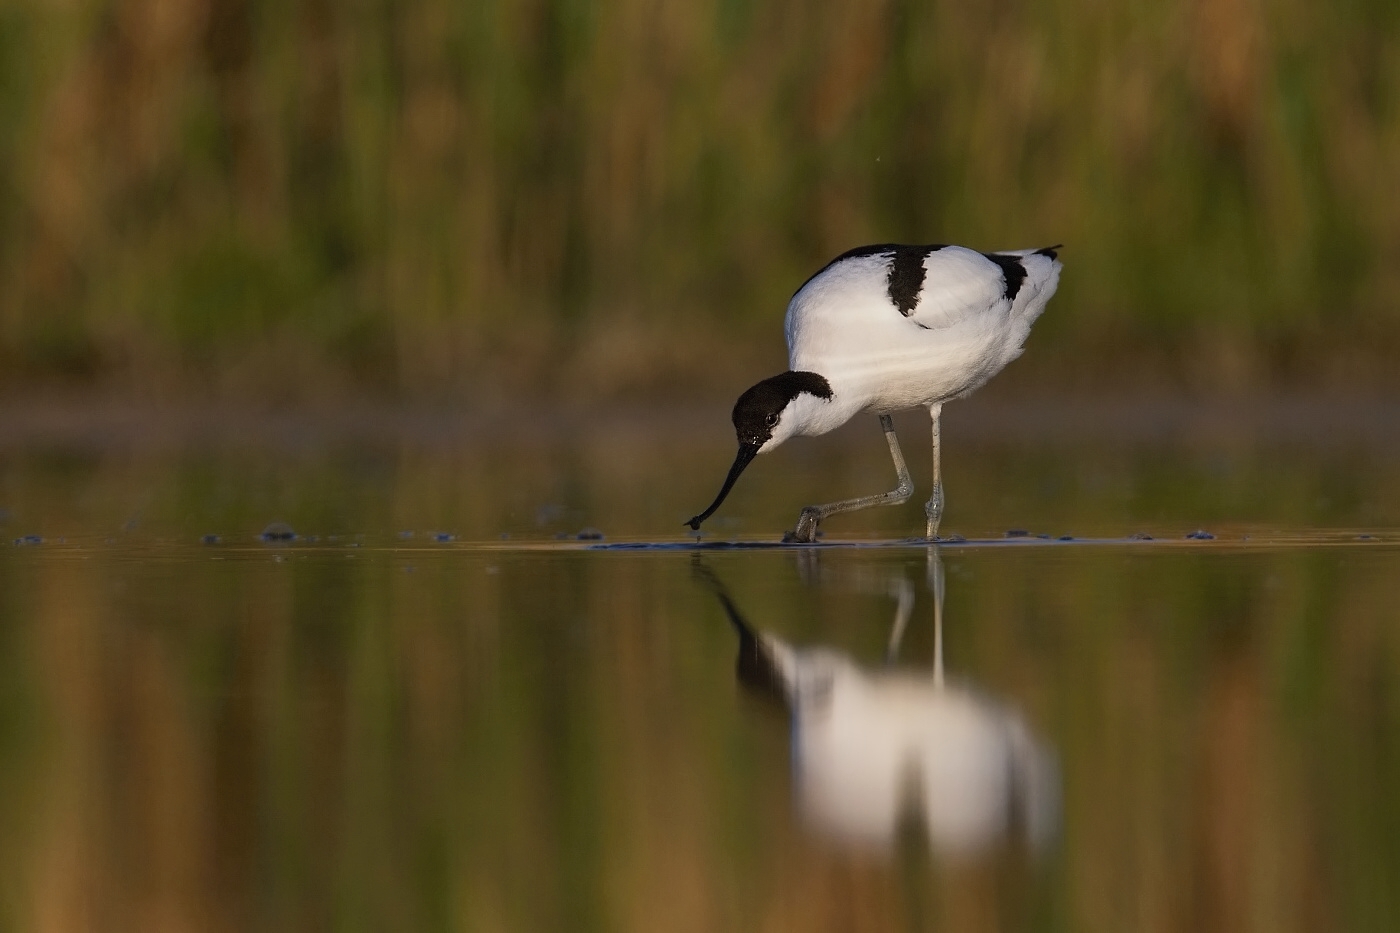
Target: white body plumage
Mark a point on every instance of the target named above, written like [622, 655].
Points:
[966, 322]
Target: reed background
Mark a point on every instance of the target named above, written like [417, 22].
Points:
[434, 200]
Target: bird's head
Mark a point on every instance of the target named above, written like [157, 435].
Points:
[764, 416]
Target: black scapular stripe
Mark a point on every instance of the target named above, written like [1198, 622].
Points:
[907, 277]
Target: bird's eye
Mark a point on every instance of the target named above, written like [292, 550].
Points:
[771, 420]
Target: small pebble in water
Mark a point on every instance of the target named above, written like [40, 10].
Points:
[590, 534]
[278, 531]
[210, 539]
[1018, 533]
[27, 540]
[954, 539]
[442, 537]
[1065, 538]
[1139, 536]
[1365, 537]
[1200, 535]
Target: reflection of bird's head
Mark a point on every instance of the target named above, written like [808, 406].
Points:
[758, 667]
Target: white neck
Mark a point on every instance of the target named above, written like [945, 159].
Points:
[811, 416]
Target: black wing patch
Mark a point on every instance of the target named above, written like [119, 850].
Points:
[1011, 270]
[872, 250]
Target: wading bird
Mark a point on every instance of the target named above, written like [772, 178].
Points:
[884, 328]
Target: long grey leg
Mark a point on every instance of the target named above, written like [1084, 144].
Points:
[812, 515]
[935, 581]
[903, 591]
[934, 507]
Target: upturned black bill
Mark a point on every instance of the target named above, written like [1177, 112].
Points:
[746, 453]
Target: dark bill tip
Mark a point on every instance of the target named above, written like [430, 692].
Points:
[746, 454]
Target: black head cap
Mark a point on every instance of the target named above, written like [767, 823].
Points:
[757, 410]
[756, 414]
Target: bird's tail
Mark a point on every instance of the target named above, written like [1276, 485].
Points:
[1042, 278]
[1053, 252]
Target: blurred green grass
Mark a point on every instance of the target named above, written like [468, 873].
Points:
[432, 200]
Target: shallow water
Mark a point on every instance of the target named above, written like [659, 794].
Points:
[427, 710]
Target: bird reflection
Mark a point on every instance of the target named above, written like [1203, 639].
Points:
[873, 747]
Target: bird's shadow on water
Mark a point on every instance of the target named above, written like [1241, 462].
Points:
[879, 748]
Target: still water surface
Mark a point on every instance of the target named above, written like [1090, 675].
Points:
[429, 711]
